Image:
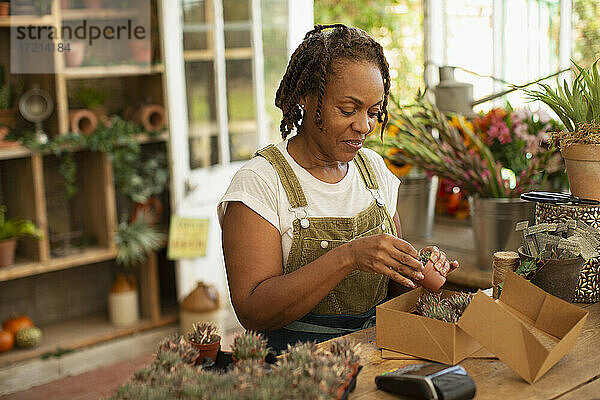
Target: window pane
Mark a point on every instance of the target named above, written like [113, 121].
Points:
[470, 41]
[196, 27]
[242, 109]
[201, 100]
[236, 10]
[274, 31]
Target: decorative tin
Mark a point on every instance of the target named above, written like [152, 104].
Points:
[547, 212]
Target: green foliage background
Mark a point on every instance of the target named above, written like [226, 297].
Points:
[396, 24]
[587, 31]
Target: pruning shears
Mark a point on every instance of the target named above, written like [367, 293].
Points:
[557, 198]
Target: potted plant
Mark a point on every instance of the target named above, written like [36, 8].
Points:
[249, 346]
[11, 230]
[134, 243]
[205, 338]
[91, 99]
[144, 187]
[432, 280]
[578, 107]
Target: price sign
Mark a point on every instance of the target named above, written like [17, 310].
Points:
[187, 237]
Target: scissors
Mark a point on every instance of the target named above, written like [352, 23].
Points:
[557, 198]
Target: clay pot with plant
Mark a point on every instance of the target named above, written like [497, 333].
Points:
[206, 339]
[135, 241]
[11, 230]
[433, 279]
[578, 107]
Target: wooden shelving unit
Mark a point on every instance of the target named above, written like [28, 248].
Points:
[30, 184]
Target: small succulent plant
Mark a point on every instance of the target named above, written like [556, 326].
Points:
[250, 345]
[449, 309]
[204, 333]
[424, 256]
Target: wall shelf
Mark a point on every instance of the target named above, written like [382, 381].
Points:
[80, 332]
[8, 153]
[90, 255]
[97, 13]
[111, 71]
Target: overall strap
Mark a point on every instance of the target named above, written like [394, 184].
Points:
[288, 178]
[366, 170]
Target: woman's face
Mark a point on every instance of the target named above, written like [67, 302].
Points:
[353, 97]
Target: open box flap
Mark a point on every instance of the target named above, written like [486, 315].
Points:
[527, 328]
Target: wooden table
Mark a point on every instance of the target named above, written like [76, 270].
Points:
[573, 377]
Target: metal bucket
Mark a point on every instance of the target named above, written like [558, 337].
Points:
[493, 221]
[416, 206]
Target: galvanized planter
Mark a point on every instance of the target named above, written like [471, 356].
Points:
[416, 206]
[493, 221]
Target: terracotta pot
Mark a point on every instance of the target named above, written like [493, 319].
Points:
[151, 116]
[152, 210]
[75, 57]
[583, 168]
[207, 350]
[6, 143]
[7, 252]
[559, 277]
[64, 4]
[433, 280]
[83, 121]
[4, 8]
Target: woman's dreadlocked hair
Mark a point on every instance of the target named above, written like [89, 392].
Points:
[313, 61]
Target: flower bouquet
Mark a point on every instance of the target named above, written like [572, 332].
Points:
[499, 154]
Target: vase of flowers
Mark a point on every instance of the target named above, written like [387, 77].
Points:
[578, 107]
[494, 157]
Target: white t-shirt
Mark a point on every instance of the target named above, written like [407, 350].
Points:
[258, 186]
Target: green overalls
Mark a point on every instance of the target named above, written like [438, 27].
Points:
[350, 306]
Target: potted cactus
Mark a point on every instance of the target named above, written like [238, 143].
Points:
[11, 230]
[432, 280]
[578, 107]
[205, 338]
[250, 345]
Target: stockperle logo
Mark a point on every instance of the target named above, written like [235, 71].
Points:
[62, 40]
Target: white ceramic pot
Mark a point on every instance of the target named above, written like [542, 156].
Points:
[123, 308]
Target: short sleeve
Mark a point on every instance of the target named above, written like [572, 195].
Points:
[256, 191]
[387, 181]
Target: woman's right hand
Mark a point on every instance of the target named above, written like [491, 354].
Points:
[387, 255]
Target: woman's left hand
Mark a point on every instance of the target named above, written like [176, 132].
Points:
[440, 261]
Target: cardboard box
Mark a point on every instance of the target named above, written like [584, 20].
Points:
[399, 330]
[527, 328]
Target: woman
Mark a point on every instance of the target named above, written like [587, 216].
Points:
[309, 240]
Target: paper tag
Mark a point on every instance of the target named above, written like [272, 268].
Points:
[187, 237]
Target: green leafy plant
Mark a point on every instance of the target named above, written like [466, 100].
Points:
[135, 241]
[145, 180]
[578, 106]
[90, 97]
[204, 333]
[15, 228]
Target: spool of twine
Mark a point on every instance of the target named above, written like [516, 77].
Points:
[503, 261]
